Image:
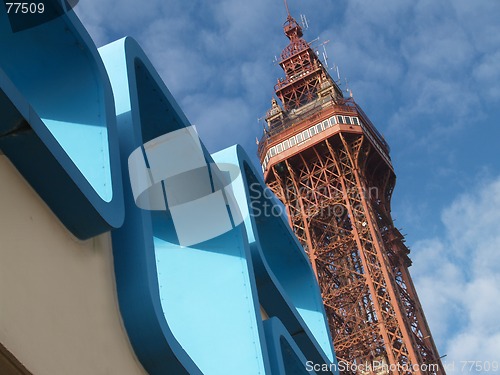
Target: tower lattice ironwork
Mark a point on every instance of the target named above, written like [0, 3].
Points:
[325, 160]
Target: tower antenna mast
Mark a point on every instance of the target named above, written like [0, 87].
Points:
[287, 10]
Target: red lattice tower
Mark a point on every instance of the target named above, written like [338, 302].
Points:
[328, 164]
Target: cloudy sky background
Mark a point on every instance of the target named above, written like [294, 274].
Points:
[428, 75]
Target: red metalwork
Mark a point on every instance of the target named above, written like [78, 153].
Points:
[329, 165]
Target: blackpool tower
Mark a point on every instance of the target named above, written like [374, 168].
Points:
[325, 160]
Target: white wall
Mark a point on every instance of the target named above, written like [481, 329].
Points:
[58, 306]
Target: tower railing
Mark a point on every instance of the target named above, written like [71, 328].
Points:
[372, 128]
[343, 106]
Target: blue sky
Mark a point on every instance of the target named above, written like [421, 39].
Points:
[428, 75]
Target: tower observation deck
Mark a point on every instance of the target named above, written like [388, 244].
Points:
[325, 160]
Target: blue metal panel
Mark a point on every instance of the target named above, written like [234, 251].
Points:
[287, 286]
[203, 298]
[133, 244]
[286, 357]
[59, 125]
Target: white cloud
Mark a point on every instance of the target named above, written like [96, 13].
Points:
[457, 276]
[432, 63]
[485, 73]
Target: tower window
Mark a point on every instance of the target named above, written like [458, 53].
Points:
[332, 121]
[312, 130]
[299, 138]
[305, 134]
[285, 145]
[320, 127]
[279, 148]
[355, 120]
[348, 120]
[326, 124]
[292, 141]
[340, 119]
[272, 151]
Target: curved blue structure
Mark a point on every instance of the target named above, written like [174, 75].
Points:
[61, 125]
[181, 289]
[286, 284]
[145, 109]
[287, 357]
[238, 300]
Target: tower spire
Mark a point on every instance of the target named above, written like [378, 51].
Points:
[306, 79]
[291, 27]
[287, 10]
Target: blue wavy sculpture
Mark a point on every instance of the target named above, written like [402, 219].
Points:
[61, 127]
[208, 283]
